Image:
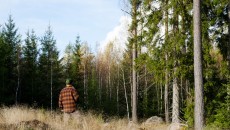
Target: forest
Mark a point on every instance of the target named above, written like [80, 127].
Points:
[153, 76]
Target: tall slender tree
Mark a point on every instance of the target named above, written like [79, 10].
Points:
[68, 60]
[77, 59]
[3, 56]
[49, 66]
[12, 41]
[77, 71]
[133, 28]
[29, 67]
[19, 57]
[198, 75]
[166, 101]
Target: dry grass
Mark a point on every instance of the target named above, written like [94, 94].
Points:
[27, 118]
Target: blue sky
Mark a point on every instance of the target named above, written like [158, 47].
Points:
[91, 19]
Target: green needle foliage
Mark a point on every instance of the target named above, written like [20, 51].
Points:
[162, 31]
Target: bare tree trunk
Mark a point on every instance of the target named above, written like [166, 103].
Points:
[33, 76]
[166, 69]
[181, 92]
[107, 88]
[130, 80]
[85, 83]
[99, 85]
[198, 75]
[110, 87]
[175, 105]
[100, 95]
[157, 96]
[18, 69]
[166, 93]
[3, 84]
[160, 98]
[134, 94]
[51, 83]
[175, 111]
[126, 98]
[187, 91]
[146, 92]
[166, 97]
[134, 73]
[161, 85]
[118, 89]
[16, 99]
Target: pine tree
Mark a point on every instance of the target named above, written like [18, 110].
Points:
[166, 100]
[3, 68]
[49, 69]
[133, 28]
[76, 64]
[198, 76]
[77, 72]
[12, 42]
[67, 60]
[30, 68]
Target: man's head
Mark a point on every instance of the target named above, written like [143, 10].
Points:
[68, 82]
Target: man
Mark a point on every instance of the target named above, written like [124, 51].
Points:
[67, 100]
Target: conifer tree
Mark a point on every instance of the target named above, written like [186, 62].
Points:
[49, 68]
[3, 67]
[133, 28]
[29, 69]
[73, 66]
[198, 76]
[76, 67]
[67, 60]
[12, 42]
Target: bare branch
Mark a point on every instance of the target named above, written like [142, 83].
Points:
[126, 12]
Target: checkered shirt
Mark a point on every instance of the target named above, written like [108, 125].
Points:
[67, 99]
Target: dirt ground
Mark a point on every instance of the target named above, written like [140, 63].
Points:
[26, 125]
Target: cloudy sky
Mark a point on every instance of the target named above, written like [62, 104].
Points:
[96, 21]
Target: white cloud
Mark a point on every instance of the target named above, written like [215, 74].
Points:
[118, 35]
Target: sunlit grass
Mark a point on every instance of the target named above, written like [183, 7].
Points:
[25, 118]
[20, 117]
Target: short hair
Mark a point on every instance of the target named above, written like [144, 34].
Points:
[69, 81]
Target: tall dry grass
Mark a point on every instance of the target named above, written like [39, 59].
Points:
[12, 118]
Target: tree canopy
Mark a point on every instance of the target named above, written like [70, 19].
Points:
[154, 75]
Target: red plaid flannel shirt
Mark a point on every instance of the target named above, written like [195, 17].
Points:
[67, 99]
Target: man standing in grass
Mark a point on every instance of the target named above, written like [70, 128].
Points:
[67, 101]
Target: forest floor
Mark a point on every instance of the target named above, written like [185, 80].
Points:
[24, 118]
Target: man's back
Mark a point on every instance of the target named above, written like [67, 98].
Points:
[67, 99]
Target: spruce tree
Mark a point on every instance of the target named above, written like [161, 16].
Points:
[77, 72]
[30, 68]
[133, 28]
[198, 74]
[67, 60]
[12, 42]
[77, 62]
[49, 70]
[3, 68]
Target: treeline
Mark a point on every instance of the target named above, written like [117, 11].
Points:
[161, 48]
[156, 68]
[29, 73]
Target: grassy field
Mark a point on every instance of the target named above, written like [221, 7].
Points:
[24, 118]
